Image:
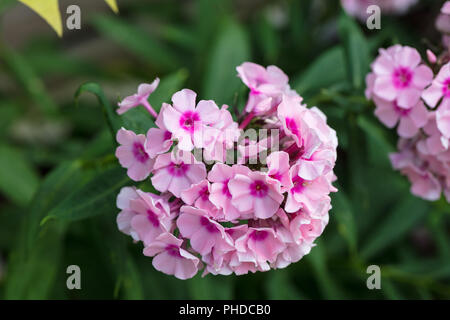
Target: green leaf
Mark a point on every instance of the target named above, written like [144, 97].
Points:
[344, 214]
[229, 51]
[327, 283]
[94, 198]
[279, 286]
[207, 287]
[167, 87]
[113, 119]
[34, 261]
[356, 50]
[395, 225]
[313, 78]
[21, 70]
[137, 41]
[18, 179]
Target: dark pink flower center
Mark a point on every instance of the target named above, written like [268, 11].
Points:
[259, 235]
[259, 189]
[204, 193]
[208, 225]
[225, 189]
[446, 88]
[299, 185]
[178, 169]
[402, 77]
[188, 120]
[291, 125]
[173, 250]
[277, 176]
[153, 218]
[399, 110]
[167, 135]
[139, 152]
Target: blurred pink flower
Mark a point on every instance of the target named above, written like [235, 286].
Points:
[132, 155]
[170, 258]
[139, 98]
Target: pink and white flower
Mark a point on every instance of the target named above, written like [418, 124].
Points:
[410, 119]
[400, 75]
[176, 172]
[170, 258]
[254, 195]
[139, 98]
[132, 155]
[159, 140]
[189, 123]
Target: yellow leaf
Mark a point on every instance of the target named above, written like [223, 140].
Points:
[49, 11]
[113, 5]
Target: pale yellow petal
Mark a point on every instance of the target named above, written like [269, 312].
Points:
[49, 11]
[113, 5]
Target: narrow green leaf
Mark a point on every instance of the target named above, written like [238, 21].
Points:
[21, 70]
[312, 79]
[343, 211]
[356, 50]
[18, 179]
[229, 51]
[113, 119]
[137, 41]
[394, 225]
[94, 198]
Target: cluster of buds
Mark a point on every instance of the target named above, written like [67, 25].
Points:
[232, 197]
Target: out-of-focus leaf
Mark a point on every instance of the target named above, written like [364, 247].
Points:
[379, 145]
[96, 197]
[356, 50]
[34, 260]
[137, 41]
[394, 225]
[167, 87]
[179, 35]
[113, 119]
[279, 286]
[313, 78]
[325, 280]
[27, 78]
[207, 287]
[268, 40]
[230, 50]
[344, 214]
[18, 179]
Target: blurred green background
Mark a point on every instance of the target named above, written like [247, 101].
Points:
[59, 178]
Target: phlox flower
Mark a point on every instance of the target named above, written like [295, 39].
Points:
[439, 88]
[152, 217]
[198, 196]
[177, 171]
[127, 214]
[132, 155]
[159, 140]
[278, 168]
[410, 119]
[307, 194]
[266, 85]
[253, 194]
[139, 98]
[190, 123]
[220, 195]
[306, 229]
[203, 233]
[260, 246]
[170, 258]
[400, 75]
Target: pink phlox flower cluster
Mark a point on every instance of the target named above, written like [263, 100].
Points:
[406, 92]
[262, 211]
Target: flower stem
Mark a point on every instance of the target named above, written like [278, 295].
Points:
[247, 120]
[149, 108]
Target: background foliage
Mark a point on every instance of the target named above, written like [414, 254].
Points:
[59, 178]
